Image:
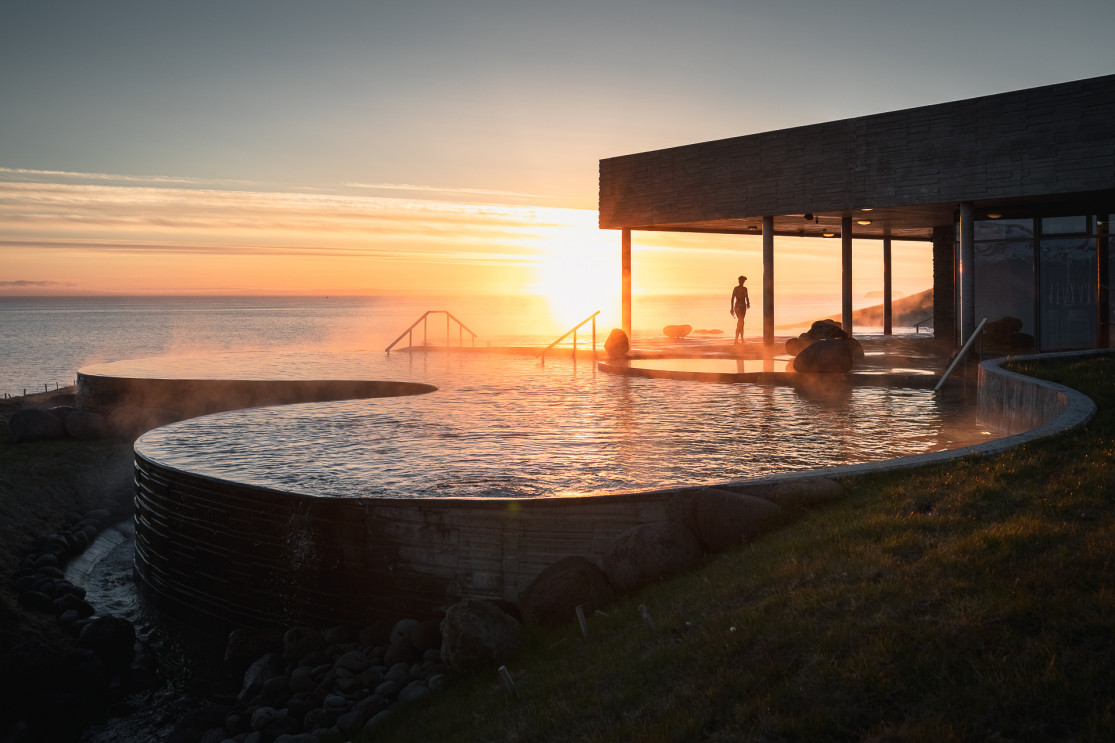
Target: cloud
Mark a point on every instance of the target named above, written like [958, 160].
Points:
[20, 283]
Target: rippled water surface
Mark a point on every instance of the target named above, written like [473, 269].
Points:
[506, 426]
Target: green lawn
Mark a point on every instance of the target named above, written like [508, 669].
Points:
[967, 601]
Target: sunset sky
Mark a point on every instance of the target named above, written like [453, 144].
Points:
[280, 146]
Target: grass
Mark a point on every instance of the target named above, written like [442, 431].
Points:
[968, 601]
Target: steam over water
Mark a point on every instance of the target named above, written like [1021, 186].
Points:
[506, 426]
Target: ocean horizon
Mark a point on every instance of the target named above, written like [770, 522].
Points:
[44, 340]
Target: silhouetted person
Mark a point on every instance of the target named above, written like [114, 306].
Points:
[740, 303]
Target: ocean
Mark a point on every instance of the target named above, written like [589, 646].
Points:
[45, 340]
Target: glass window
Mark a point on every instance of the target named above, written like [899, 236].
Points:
[1064, 226]
[1003, 229]
[1005, 293]
[1068, 293]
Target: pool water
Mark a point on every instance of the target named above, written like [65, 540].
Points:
[506, 426]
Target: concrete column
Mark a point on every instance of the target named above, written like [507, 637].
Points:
[1103, 283]
[768, 281]
[944, 283]
[625, 289]
[887, 280]
[846, 273]
[967, 272]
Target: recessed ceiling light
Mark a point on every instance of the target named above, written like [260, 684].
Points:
[994, 215]
[863, 221]
[867, 208]
[828, 234]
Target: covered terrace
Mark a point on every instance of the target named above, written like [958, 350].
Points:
[1013, 191]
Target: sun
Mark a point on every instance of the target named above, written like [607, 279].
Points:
[578, 270]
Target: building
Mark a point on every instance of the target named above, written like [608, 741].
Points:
[1014, 191]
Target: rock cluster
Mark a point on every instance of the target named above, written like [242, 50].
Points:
[59, 418]
[826, 348]
[617, 345]
[337, 682]
[54, 695]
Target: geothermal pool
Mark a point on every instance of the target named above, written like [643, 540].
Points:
[505, 426]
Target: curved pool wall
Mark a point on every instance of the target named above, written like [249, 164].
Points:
[102, 393]
[222, 553]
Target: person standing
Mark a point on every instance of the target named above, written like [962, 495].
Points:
[738, 308]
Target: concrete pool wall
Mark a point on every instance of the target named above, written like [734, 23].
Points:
[223, 553]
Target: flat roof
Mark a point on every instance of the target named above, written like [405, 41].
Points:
[911, 168]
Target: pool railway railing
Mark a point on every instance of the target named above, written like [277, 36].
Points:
[573, 331]
[449, 317]
[960, 354]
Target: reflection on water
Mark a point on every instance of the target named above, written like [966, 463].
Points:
[505, 426]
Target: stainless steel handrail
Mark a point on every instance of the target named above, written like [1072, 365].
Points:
[573, 331]
[461, 328]
[963, 350]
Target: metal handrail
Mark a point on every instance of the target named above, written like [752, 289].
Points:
[573, 332]
[917, 325]
[963, 350]
[461, 328]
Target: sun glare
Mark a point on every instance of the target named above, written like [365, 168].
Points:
[578, 271]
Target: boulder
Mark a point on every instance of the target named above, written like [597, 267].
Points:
[477, 634]
[86, 426]
[677, 331]
[825, 357]
[617, 344]
[724, 519]
[112, 639]
[555, 593]
[298, 642]
[649, 552]
[34, 424]
[805, 492]
[825, 330]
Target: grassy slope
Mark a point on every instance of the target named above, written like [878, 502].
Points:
[968, 601]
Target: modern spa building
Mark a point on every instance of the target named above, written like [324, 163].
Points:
[1013, 191]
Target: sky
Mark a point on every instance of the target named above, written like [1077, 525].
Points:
[345, 147]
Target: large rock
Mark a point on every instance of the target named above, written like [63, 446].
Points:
[825, 357]
[649, 552]
[805, 492]
[617, 344]
[677, 331]
[724, 519]
[33, 424]
[477, 634]
[554, 595]
[825, 330]
[86, 426]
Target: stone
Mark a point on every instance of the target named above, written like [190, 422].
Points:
[402, 629]
[86, 426]
[401, 650]
[354, 661]
[554, 594]
[824, 357]
[617, 345]
[477, 634]
[426, 635]
[268, 666]
[298, 642]
[805, 492]
[823, 330]
[677, 331]
[415, 691]
[33, 424]
[111, 638]
[724, 519]
[649, 552]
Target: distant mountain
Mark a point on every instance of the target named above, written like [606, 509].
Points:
[907, 311]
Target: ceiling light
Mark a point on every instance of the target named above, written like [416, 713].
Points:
[863, 221]
[867, 208]
[828, 234]
[994, 215]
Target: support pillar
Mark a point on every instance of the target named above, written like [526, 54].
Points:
[768, 281]
[1103, 283]
[887, 282]
[967, 272]
[625, 288]
[846, 274]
